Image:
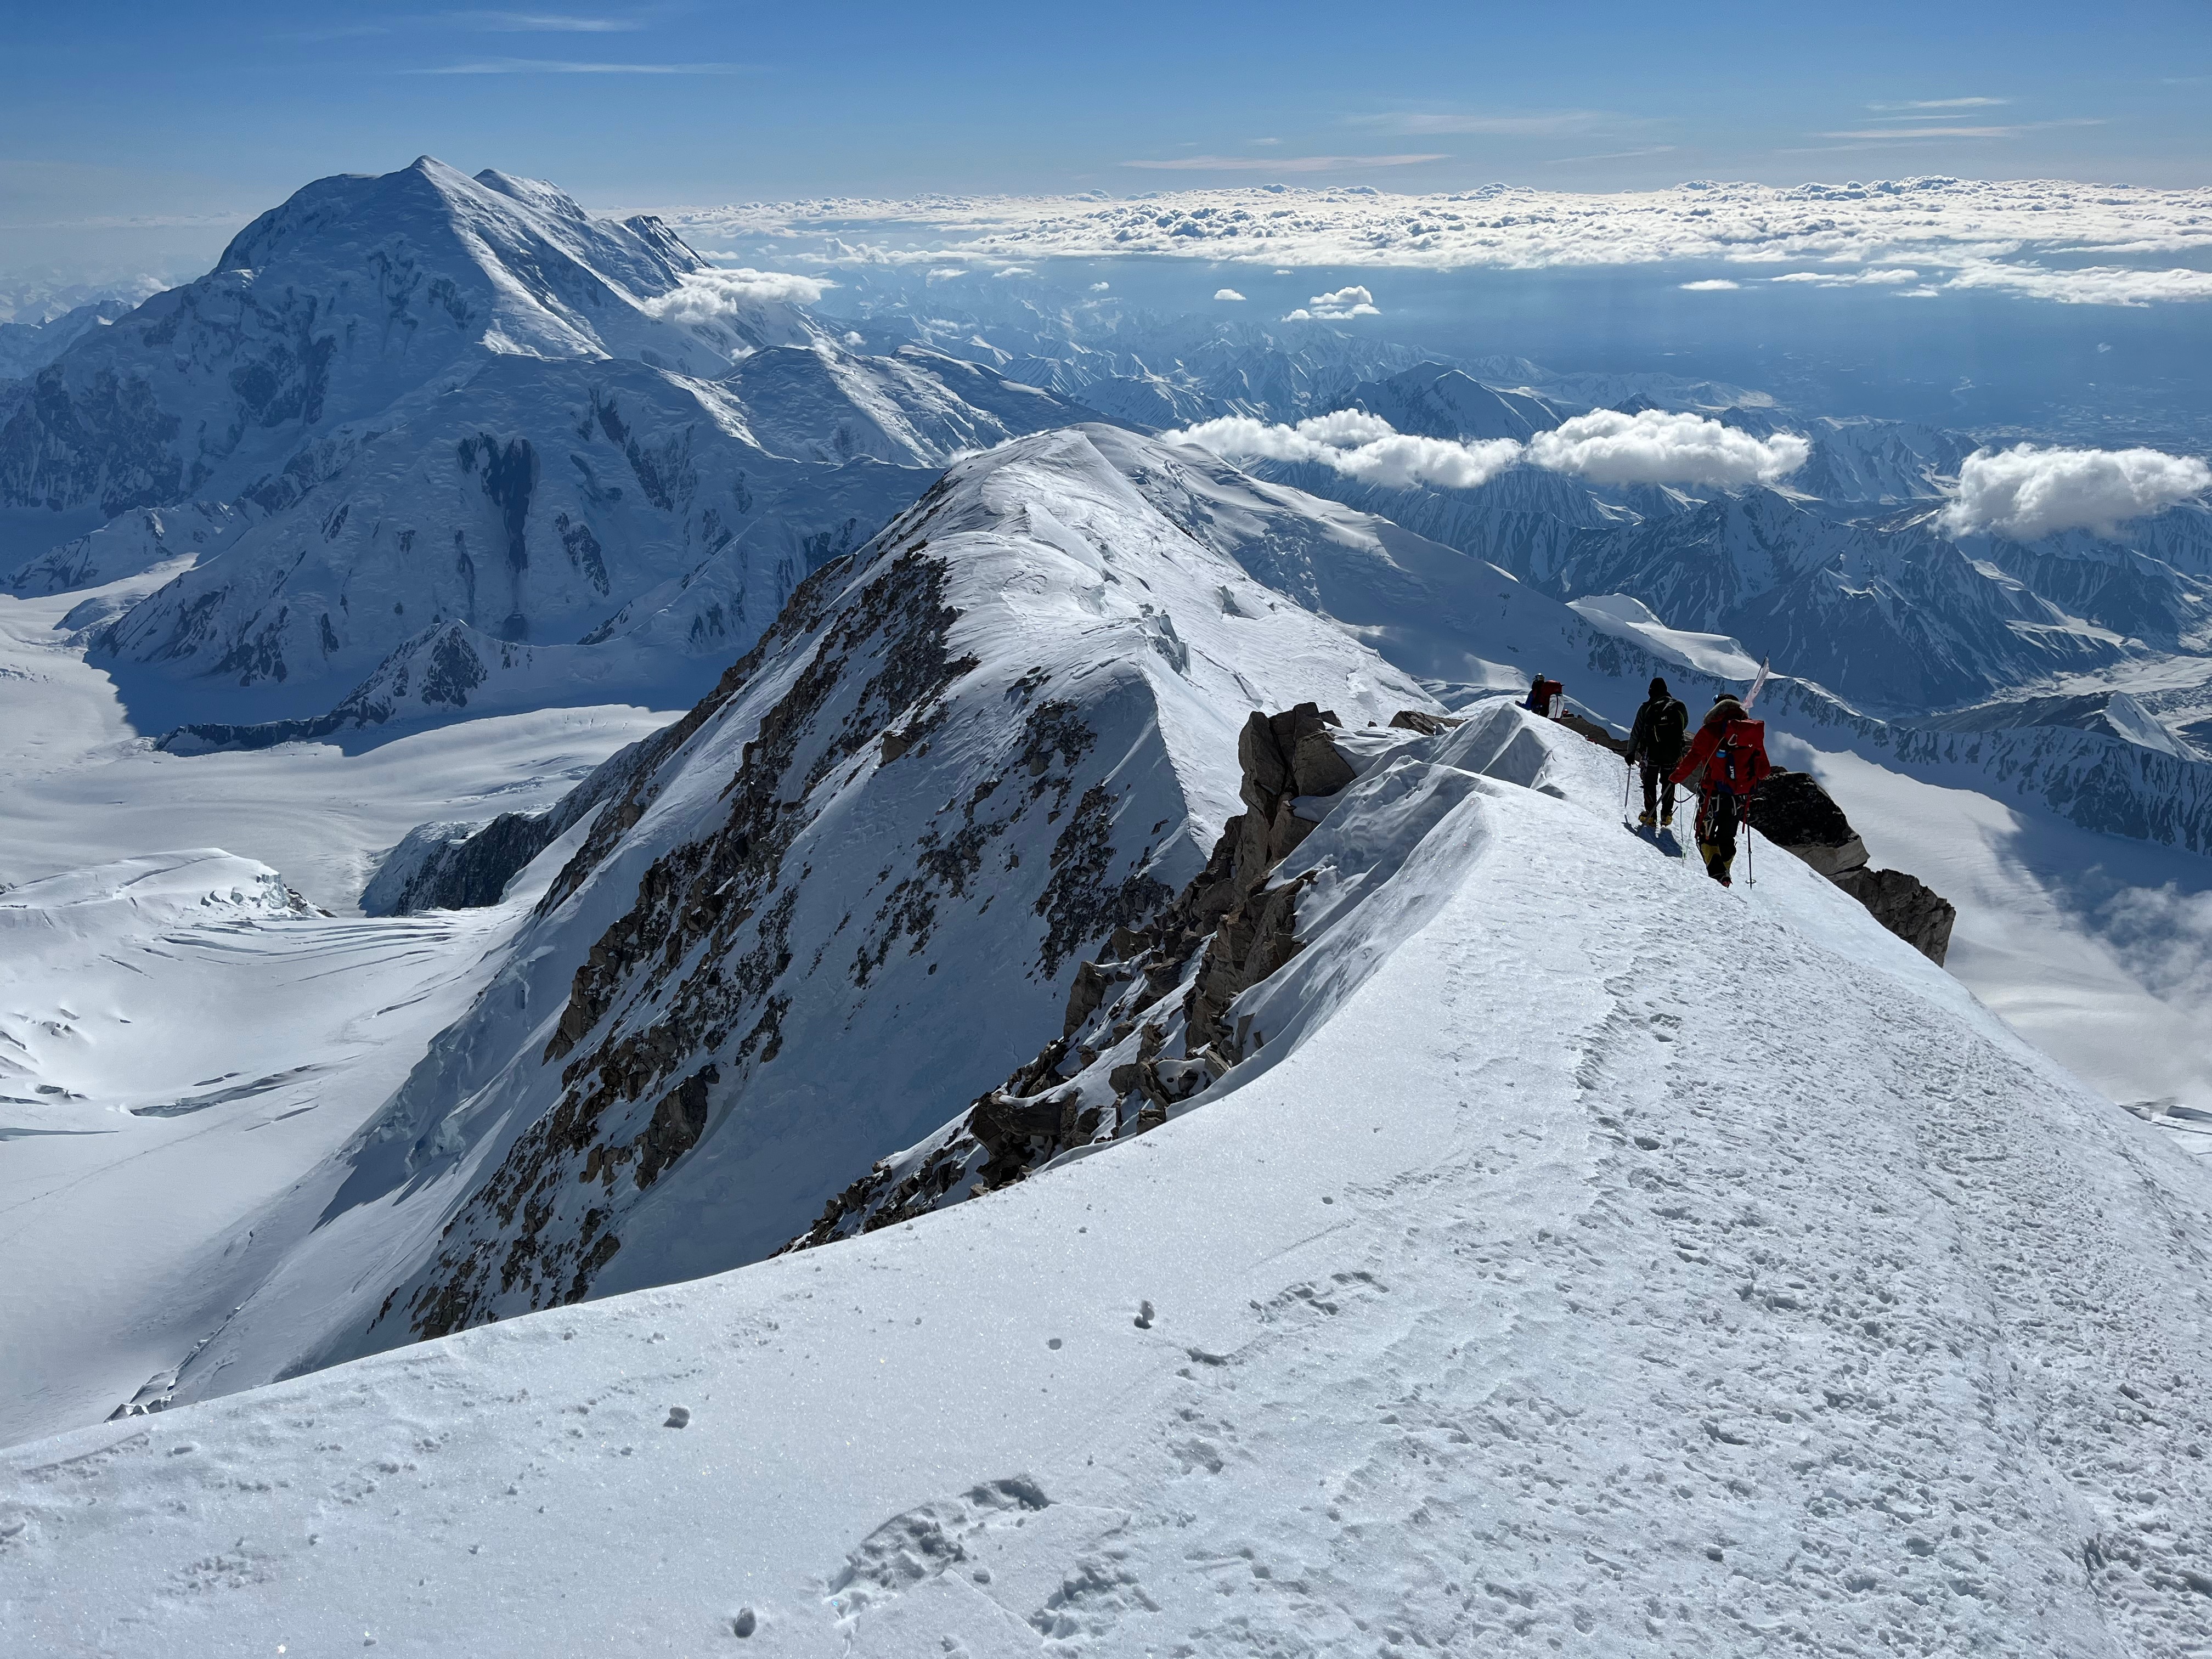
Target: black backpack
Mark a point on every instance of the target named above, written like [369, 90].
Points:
[1670, 727]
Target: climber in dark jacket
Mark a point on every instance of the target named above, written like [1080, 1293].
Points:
[1656, 742]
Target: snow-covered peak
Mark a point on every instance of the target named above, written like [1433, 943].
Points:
[354, 294]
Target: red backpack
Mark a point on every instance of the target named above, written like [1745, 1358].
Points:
[1740, 761]
[1546, 696]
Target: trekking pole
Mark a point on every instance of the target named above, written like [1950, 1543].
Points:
[1627, 784]
[1749, 880]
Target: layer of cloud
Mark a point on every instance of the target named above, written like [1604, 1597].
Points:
[709, 297]
[1226, 294]
[1880, 278]
[1359, 446]
[1710, 285]
[1658, 446]
[2027, 493]
[1943, 103]
[1335, 307]
[1980, 229]
[1607, 447]
[2088, 285]
[1282, 163]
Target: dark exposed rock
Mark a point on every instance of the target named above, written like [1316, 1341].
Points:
[697, 964]
[1791, 810]
[464, 874]
[1240, 929]
[1413, 720]
[1592, 731]
[1905, 905]
[1794, 811]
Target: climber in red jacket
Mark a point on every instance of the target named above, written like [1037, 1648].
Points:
[1727, 761]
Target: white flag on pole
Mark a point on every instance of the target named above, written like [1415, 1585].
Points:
[1756, 686]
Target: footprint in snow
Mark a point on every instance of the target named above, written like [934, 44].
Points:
[678, 1417]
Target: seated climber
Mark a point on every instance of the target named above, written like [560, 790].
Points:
[1656, 742]
[1546, 696]
[1727, 760]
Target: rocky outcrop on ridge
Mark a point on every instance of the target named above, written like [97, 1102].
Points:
[1791, 810]
[1123, 1008]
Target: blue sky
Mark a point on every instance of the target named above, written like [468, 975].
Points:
[203, 114]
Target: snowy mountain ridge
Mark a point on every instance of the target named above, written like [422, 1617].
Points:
[1734, 1283]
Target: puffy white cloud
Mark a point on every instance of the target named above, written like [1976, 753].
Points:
[707, 296]
[1226, 294]
[1100, 288]
[1710, 285]
[1657, 447]
[2027, 492]
[1607, 447]
[1335, 307]
[2089, 285]
[1359, 446]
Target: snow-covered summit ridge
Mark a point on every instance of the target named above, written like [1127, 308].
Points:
[959, 760]
[1599, 1217]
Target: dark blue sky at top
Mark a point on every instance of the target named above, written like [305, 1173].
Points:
[198, 115]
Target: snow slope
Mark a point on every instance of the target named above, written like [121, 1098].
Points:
[181, 1038]
[83, 788]
[1024, 695]
[1616, 1264]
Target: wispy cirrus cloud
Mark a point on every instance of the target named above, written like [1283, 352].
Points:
[1614, 155]
[1952, 130]
[1283, 163]
[539, 23]
[1926, 104]
[567, 66]
[1536, 124]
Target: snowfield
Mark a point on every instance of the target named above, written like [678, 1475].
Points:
[1621, 1266]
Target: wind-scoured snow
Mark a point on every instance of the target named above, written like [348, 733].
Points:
[1617, 1262]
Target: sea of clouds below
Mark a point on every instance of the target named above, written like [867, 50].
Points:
[1967, 233]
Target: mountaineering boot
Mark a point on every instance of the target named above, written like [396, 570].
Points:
[1666, 819]
[1644, 818]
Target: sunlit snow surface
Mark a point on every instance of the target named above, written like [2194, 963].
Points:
[179, 1041]
[1615, 1261]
